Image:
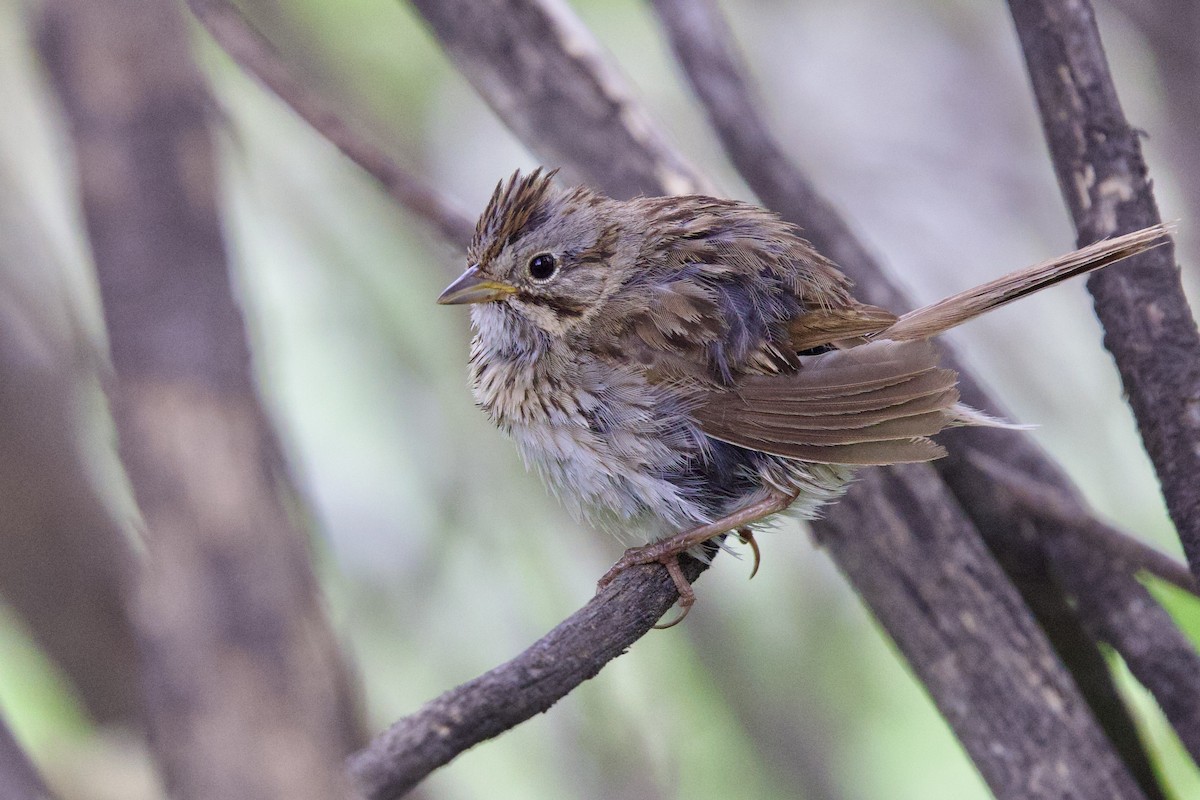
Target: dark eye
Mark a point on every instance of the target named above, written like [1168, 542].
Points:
[543, 266]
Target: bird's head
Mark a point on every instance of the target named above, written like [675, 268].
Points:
[546, 254]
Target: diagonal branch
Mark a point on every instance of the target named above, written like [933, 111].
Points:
[18, 778]
[1149, 327]
[1122, 612]
[565, 101]
[513, 692]
[227, 25]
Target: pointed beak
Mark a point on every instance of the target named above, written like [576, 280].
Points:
[474, 287]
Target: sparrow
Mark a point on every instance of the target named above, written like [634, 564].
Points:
[681, 368]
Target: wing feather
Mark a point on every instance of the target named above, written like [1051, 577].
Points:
[873, 404]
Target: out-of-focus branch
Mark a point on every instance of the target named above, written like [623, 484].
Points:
[18, 779]
[513, 692]
[1119, 609]
[565, 101]
[1148, 325]
[66, 558]
[233, 32]
[246, 693]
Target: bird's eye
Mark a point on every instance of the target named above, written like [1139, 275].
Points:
[543, 266]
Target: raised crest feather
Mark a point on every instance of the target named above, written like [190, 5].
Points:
[513, 210]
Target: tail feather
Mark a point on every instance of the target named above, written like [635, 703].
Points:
[927, 322]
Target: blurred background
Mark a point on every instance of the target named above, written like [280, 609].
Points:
[439, 556]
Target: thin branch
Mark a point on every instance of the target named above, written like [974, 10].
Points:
[233, 32]
[566, 101]
[18, 778]
[1037, 501]
[513, 692]
[1149, 327]
[1137, 627]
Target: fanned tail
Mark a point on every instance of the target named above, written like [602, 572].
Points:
[927, 322]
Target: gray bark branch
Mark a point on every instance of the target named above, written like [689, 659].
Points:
[1149, 327]
[513, 692]
[230, 29]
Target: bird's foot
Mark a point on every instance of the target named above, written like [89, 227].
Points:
[667, 553]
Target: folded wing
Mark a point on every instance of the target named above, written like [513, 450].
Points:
[876, 403]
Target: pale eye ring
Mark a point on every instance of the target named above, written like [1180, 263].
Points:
[542, 267]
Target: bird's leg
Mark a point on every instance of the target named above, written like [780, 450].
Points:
[667, 551]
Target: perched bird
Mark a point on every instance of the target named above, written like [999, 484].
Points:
[680, 368]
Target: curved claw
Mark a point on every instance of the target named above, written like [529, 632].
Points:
[636, 556]
[746, 536]
[662, 626]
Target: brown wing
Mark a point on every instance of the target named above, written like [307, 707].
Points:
[872, 404]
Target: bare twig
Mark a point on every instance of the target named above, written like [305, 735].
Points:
[565, 101]
[246, 692]
[1138, 628]
[513, 692]
[248, 48]
[1045, 504]
[1148, 325]
[18, 778]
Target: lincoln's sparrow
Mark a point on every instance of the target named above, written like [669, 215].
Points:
[683, 367]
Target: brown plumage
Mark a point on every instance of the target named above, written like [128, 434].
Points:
[683, 367]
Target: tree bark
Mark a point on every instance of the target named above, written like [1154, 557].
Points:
[1149, 327]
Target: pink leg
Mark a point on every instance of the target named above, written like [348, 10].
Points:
[667, 551]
